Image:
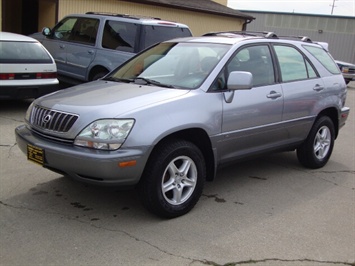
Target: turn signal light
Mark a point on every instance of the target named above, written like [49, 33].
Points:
[128, 163]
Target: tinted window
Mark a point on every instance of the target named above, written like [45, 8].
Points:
[85, 31]
[64, 28]
[256, 60]
[81, 30]
[324, 58]
[293, 65]
[155, 34]
[119, 36]
[23, 52]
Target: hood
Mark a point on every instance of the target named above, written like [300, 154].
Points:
[106, 99]
[38, 36]
[344, 63]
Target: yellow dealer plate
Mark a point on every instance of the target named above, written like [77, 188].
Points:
[35, 154]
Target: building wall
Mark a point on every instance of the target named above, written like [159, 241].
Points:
[12, 18]
[199, 23]
[222, 2]
[47, 11]
[339, 32]
[0, 15]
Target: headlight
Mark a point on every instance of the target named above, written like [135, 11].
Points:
[345, 69]
[108, 134]
[28, 112]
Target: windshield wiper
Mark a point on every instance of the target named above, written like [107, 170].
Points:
[147, 81]
[118, 79]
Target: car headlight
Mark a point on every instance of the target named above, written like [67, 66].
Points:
[29, 111]
[345, 69]
[107, 134]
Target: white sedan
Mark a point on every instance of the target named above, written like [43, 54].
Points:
[27, 70]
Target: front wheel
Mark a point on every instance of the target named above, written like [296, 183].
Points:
[317, 148]
[173, 180]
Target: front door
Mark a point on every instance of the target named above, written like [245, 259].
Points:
[251, 120]
[81, 50]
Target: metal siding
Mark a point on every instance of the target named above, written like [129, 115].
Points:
[338, 32]
[199, 23]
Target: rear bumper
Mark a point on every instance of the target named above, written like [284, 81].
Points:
[27, 91]
[343, 116]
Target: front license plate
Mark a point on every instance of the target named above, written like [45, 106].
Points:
[35, 154]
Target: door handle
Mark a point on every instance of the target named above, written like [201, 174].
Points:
[61, 46]
[318, 88]
[274, 95]
[90, 51]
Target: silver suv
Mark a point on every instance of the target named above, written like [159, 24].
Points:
[88, 46]
[167, 119]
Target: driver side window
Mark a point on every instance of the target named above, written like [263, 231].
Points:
[64, 28]
[254, 59]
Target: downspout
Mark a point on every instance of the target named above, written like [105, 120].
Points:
[245, 24]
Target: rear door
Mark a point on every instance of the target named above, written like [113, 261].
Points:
[302, 88]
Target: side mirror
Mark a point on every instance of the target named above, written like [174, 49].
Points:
[240, 80]
[46, 31]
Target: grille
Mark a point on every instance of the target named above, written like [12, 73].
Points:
[51, 119]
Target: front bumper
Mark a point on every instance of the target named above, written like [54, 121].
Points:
[349, 76]
[86, 165]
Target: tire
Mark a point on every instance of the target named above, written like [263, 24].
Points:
[316, 150]
[173, 180]
[99, 75]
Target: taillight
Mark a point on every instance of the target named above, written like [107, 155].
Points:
[7, 76]
[46, 75]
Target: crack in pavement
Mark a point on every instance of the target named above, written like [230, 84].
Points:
[102, 228]
[9, 146]
[313, 173]
[203, 261]
[278, 260]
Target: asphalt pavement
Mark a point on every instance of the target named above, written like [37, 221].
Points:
[267, 211]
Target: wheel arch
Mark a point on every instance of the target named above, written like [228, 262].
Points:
[95, 70]
[200, 138]
[333, 114]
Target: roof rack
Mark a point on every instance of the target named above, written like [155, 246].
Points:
[120, 15]
[302, 38]
[265, 34]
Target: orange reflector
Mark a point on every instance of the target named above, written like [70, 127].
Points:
[126, 164]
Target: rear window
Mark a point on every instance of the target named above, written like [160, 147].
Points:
[23, 52]
[324, 58]
[155, 34]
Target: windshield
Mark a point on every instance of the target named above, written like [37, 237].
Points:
[184, 65]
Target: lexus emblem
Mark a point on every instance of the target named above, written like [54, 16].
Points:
[46, 119]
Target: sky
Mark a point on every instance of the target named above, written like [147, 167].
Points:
[323, 7]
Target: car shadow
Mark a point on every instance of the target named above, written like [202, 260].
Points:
[262, 187]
